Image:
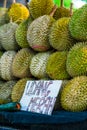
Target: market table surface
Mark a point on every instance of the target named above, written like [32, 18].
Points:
[59, 120]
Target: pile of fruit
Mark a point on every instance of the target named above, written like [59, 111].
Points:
[41, 41]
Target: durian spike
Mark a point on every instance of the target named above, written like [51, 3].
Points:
[61, 3]
[53, 10]
[14, 1]
[4, 3]
[71, 9]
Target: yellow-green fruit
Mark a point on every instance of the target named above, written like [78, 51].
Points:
[74, 94]
[56, 66]
[38, 8]
[21, 34]
[61, 12]
[59, 36]
[5, 92]
[3, 16]
[21, 63]
[76, 63]
[18, 12]
[78, 24]
[7, 36]
[37, 34]
[18, 89]
[6, 61]
[38, 65]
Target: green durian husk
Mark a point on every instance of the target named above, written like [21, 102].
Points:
[5, 92]
[7, 36]
[6, 65]
[76, 63]
[37, 33]
[21, 34]
[18, 89]
[21, 63]
[59, 36]
[38, 65]
[56, 66]
[74, 95]
[61, 12]
[77, 24]
[3, 16]
[39, 8]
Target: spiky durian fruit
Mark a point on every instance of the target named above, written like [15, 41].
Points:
[76, 63]
[59, 35]
[37, 34]
[6, 65]
[74, 94]
[38, 64]
[7, 36]
[21, 63]
[18, 12]
[56, 66]
[18, 89]
[21, 34]
[39, 8]
[62, 11]
[5, 92]
[77, 25]
[3, 16]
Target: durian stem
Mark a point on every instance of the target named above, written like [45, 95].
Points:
[71, 9]
[53, 10]
[61, 3]
[5, 3]
[14, 1]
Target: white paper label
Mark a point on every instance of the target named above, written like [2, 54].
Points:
[40, 96]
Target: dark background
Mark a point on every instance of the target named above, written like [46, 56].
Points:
[9, 2]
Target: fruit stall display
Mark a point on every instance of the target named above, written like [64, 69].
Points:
[42, 41]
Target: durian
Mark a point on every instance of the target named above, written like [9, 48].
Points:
[21, 34]
[3, 14]
[18, 89]
[76, 63]
[18, 12]
[6, 65]
[5, 92]
[39, 8]
[62, 11]
[59, 36]
[38, 65]
[78, 24]
[56, 66]
[74, 94]
[37, 34]
[21, 63]
[7, 36]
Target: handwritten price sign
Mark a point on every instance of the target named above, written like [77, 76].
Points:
[40, 96]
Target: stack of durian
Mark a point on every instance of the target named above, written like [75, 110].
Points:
[40, 41]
